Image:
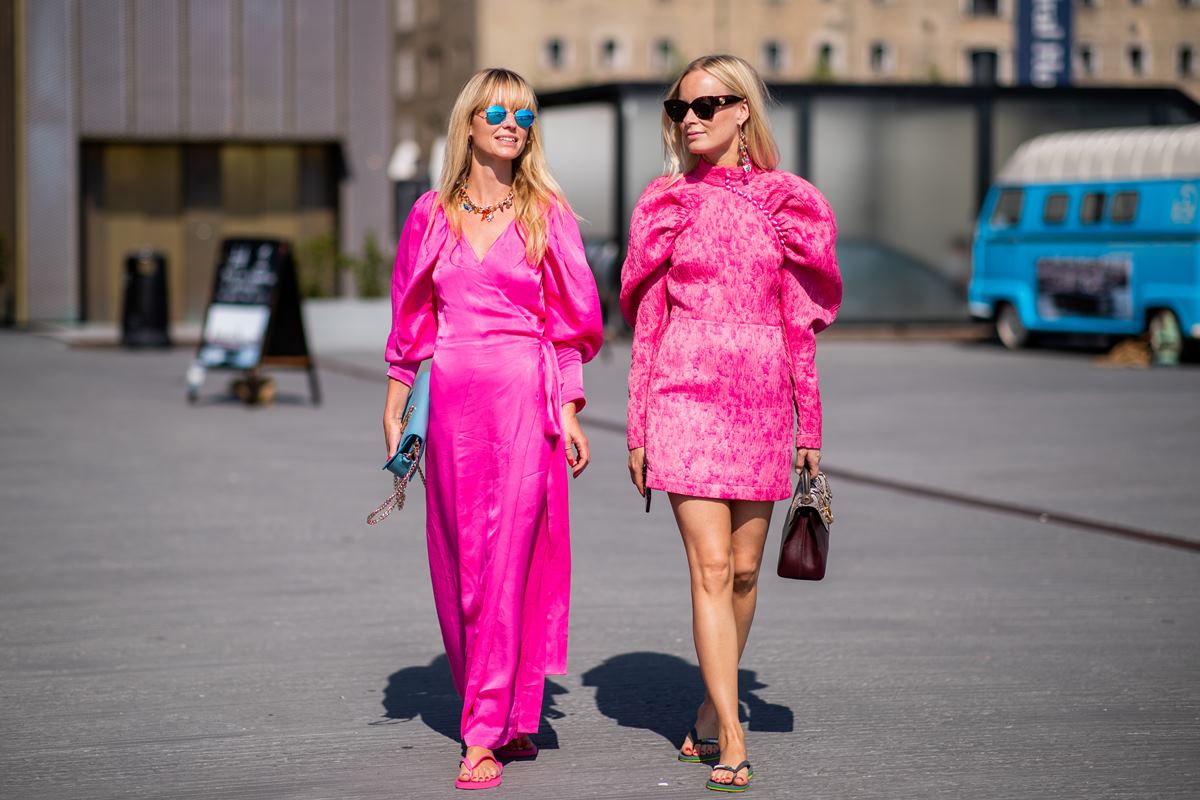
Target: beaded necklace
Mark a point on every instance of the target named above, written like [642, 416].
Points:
[487, 212]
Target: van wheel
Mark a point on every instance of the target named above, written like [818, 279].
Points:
[1009, 329]
[1166, 337]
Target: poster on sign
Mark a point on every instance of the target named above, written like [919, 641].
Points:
[234, 335]
[1085, 287]
[254, 318]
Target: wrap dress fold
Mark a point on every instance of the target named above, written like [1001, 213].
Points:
[728, 278]
[508, 341]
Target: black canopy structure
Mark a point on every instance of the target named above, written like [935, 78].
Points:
[905, 167]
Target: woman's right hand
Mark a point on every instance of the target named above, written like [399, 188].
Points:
[637, 461]
[393, 415]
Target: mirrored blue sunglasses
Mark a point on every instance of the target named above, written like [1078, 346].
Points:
[497, 114]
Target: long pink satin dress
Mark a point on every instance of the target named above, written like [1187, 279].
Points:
[728, 278]
[508, 340]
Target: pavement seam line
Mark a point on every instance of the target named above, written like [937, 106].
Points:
[1041, 515]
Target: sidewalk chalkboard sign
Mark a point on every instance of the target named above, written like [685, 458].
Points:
[253, 319]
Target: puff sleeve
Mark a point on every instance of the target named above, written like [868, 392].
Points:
[658, 219]
[574, 324]
[414, 321]
[811, 295]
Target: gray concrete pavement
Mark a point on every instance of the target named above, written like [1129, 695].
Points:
[192, 606]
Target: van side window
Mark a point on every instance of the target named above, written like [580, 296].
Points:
[1092, 207]
[1124, 207]
[1008, 208]
[1055, 209]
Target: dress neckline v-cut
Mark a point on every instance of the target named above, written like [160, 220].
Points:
[480, 259]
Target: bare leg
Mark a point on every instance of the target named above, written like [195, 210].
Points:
[707, 529]
[750, 521]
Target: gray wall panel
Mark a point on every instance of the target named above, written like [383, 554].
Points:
[103, 74]
[157, 66]
[196, 69]
[263, 60]
[366, 198]
[316, 70]
[210, 84]
[50, 161]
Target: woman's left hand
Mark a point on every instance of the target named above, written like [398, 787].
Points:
[574, 441]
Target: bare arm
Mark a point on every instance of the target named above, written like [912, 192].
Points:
[393, 414]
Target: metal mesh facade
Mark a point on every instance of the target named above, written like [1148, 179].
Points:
[196, 70]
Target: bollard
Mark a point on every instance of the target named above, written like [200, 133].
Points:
[144, 317]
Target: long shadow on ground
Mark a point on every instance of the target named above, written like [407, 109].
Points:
[660, 693]
[428, 692]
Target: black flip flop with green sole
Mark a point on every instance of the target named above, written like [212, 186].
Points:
[696, 742]
[731, 787]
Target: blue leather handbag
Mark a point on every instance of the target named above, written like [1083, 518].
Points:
[416, 423]
[407, 458]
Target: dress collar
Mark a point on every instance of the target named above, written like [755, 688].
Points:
[704, 172]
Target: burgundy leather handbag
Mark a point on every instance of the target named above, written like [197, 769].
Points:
[805, 546]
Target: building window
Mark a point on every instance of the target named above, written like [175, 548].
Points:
[881, 58]
[1186, 61]
[983, 8]
[984, 67]
[406, 15]
[1123, 207]
[825, 56]
[1055, 208]
[772, 56]
[610, 54]
[1136, 57]
[555, 53]
[1092, 208]
[1089, 3]
[662, 56]
[1137, 2]
[1086, 60]
[406, 73]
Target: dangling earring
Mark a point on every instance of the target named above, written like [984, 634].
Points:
[743, 151]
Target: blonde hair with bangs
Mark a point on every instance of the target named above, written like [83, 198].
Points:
[742, 80]
[534, 188]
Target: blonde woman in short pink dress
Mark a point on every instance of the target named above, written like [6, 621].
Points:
[491, 284]
[730, 274]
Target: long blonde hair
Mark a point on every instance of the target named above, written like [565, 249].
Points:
[743, 80]
[534, 188]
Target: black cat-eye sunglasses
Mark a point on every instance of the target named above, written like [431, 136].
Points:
[704, 107]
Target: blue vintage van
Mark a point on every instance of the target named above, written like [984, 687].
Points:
[1093, 232]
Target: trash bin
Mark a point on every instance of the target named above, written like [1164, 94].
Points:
[144, 315]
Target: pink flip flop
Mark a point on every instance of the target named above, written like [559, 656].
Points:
[459, 783]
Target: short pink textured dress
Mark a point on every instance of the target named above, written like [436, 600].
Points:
[728, 279]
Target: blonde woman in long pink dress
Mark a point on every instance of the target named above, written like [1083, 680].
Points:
[730, 274]
[490, 282]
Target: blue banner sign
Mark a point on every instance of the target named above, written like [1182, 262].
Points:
[1044, 42]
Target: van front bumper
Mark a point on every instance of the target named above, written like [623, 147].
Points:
[979, 310]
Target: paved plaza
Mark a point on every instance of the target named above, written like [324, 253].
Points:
[192, 606]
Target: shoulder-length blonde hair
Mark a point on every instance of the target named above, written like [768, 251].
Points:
[742, 80]
[534, 188]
